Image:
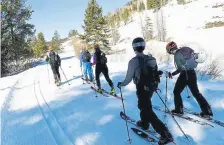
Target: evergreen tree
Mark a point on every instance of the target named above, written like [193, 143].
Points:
[115, 35]
[147, 29]
[125, 15]
[141, 7]
[151, 4]
[55, 42]
[95, 26]
[39, 45]
[181, 2]
[15, 31]
[72, 33]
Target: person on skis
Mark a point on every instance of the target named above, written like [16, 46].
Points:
[144, 72]
[55, 62]
[100, 60]
[86, 65]
[185, 64]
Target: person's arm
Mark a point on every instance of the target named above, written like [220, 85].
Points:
[178, 58]
[94, 59]
[130, 74]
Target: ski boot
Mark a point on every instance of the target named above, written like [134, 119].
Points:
[112, 91]
[142, 125]
[178, 111]
[99, 90]
[208, 114]
[165, 138]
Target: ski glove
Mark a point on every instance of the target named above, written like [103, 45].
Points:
[169, 75]
[119, 85]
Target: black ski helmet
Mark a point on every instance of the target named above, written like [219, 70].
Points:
[138, 44]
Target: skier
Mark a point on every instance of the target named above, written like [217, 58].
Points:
[86, 65]
[100, 61]
[143, 70]
[185, 64]
[55, 61]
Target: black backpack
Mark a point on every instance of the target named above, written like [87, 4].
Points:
[149, 77]
[54, 58]
[103, 58]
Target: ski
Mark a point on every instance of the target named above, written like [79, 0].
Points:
[217, 122]
[104, 94]
[85, 80]
[133, 122]
[144, 135]
[183, 117]
[114, 95]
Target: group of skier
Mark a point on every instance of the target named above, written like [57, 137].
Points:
[143, 70]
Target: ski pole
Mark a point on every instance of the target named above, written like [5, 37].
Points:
[94, 82]
[65, 76]
[82, 76]
[48, 74]
[173, 117]
[122, 100]
[166, 94]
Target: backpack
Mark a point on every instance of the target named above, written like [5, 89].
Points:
[103, 58]
[190, 57]
[54, 58]
[149, 75]
[86, 56]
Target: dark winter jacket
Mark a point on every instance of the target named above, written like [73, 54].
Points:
[134, 70]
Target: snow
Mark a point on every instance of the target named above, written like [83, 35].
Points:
[35, 111]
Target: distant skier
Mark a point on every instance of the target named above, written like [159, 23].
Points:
[101, 67]
[144, 72]
[185, 64]
[55, 61]
[86, 65]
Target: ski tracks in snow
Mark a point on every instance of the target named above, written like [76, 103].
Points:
[54, 126]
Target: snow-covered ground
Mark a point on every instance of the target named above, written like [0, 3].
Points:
[36, 112]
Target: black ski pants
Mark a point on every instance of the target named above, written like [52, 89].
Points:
[55, 70]
[147, 114]
[102, 69]
[189, 78]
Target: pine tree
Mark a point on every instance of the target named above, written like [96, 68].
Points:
[181, 2]
[15, 31]
[115, 35]
[39, 45]
[125, 15]
[72, 33]
[147, 29]
[141, 7]
[55, 42]
[95, 26]
[151, 4]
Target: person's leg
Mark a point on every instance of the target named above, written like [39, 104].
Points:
[179, 87]
[54, 72]
[85, 70]
[192, 84]
[97, 73]
[58, 73]
[89, 71]
[106, 75]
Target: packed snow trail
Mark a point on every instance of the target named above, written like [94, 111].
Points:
[36, 112]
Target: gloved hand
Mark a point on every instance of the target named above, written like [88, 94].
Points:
[169, 75]
[160, 72]
[119, 85]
